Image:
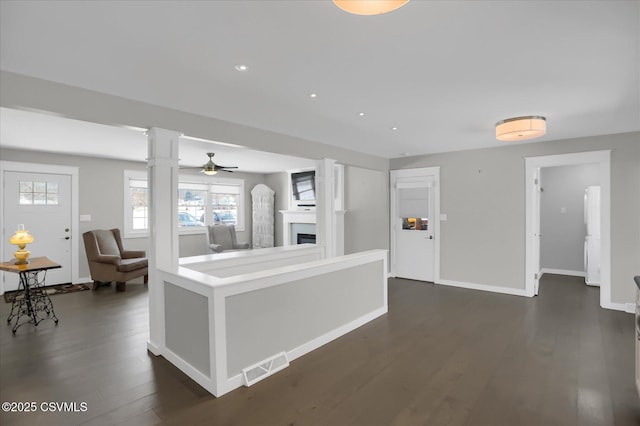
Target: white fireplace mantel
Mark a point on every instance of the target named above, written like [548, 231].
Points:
[290, 217]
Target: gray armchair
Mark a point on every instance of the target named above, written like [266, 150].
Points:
[223, 237]
[109, 261]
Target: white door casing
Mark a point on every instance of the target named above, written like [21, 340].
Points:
[52, 225]
[537, 188]
[415, 246]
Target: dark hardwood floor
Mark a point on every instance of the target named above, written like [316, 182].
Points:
[442, 356]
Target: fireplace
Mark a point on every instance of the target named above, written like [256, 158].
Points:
[306, 238]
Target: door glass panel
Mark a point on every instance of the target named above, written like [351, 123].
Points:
[415, 223]
[38, 193]
[415, 208]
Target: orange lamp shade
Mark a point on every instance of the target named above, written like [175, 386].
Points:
[369, 7]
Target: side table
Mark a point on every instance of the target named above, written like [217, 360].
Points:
[31, 301]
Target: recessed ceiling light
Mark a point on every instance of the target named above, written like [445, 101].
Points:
[241, 68]
[313, 95]
[361, 114]
[394, 128]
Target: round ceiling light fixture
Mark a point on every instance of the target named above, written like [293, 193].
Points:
[521, 128]
[369, 7]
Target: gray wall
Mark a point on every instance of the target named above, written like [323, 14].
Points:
[366, 223]
[264, 322]
[101, 186]
[562, 241]
[187, 326]
[483, 193]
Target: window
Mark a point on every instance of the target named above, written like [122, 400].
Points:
[136, 204]
[192, 200]
[199, 204]
[225, 203]
[38, 193]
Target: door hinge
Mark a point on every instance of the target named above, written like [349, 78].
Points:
[535, 276]
[535, 181]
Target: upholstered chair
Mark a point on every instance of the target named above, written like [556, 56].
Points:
[109, 261]
[223, 238]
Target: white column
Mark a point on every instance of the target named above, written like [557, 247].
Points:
[325, 218]
[162, 175]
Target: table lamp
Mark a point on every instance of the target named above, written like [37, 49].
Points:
[21, 238]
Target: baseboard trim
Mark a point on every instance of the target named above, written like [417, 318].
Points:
[484, 287]
[153, 348]
[562, 272]
[629, 308]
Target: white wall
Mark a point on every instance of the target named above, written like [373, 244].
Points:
[563, 233]
[483, 193]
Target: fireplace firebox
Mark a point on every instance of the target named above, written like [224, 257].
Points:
[306, 238]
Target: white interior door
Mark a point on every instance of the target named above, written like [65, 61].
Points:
[414, 230]
[42, 202]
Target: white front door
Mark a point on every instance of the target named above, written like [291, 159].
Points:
[414, 228]
[42, 202]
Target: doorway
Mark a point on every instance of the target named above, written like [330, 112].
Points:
[533, 166]
[44, 199]
[415, 213]
[569, 213]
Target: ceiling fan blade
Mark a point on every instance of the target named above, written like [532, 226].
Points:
[226, 167]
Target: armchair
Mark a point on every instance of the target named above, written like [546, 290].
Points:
[109, 261]
[223, 237]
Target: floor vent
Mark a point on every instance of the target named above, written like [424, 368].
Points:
[265, 368]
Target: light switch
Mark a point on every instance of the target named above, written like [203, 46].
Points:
[85, 218]
[443, 217]
[563, 210]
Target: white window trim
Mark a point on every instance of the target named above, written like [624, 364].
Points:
[199, 183]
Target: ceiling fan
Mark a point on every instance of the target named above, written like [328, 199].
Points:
[210, 168]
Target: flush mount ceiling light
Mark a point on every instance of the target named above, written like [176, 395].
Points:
[521, 128]
[241, 68]
[369, 7]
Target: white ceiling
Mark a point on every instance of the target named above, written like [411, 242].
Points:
[443, 72]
